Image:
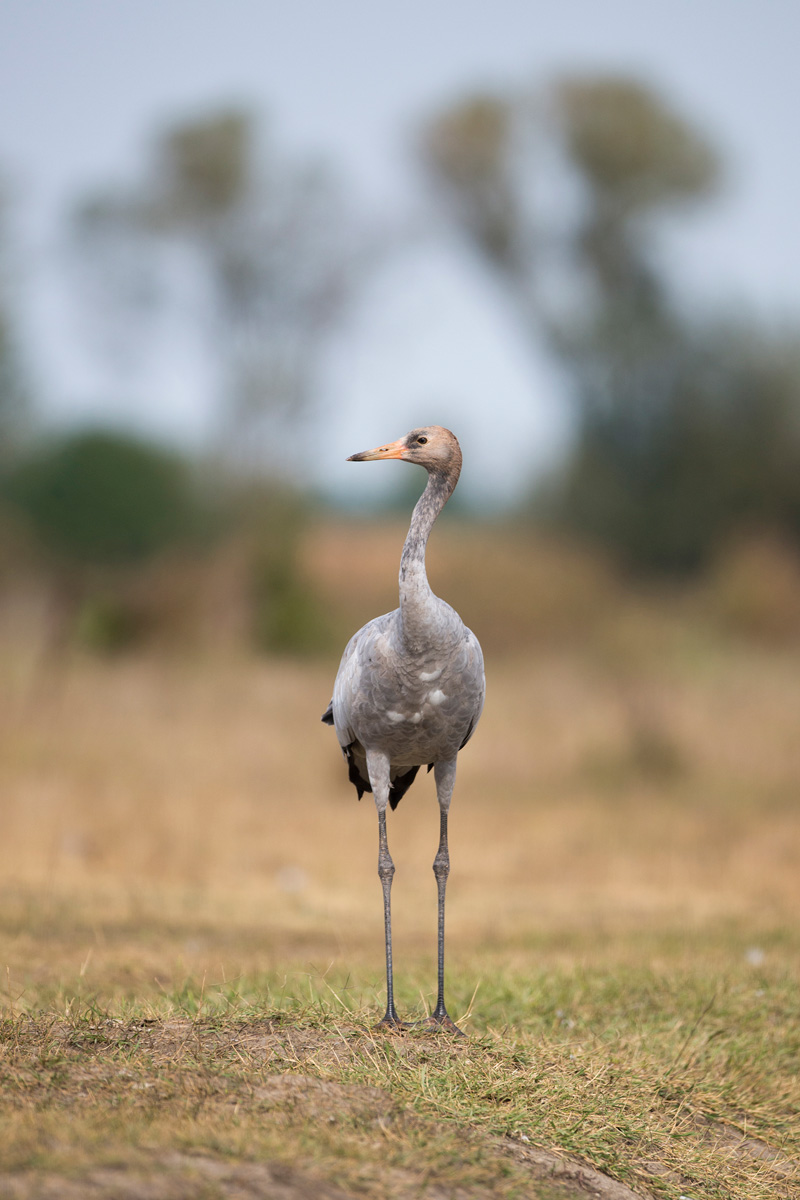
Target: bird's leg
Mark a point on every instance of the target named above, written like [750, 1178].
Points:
[441, 869]
[386, 873]
[378, 769]
[445, 774]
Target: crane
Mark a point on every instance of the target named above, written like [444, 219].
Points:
[409, 690]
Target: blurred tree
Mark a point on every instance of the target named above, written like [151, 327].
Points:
[14, 398]
[566, 184]
[666, 487]
[468, 147]
[253, 248]
[684, 430]
[254, 252]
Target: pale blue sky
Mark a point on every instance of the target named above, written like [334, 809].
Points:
[84, 82]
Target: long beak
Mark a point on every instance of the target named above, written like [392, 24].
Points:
[393, 450]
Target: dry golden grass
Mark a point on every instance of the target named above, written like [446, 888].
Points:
[667, 796]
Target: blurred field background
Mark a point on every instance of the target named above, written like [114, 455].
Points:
[178, 829]
[638, 761]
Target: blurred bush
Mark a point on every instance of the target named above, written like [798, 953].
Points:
[754, 589]
[287, 612]
[139, 546]
[94, 503]
[103, 498]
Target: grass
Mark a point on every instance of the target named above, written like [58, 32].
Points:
[192, 947]
[680, 1081]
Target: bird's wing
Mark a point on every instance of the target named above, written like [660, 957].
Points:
[347, 691]
[474, 690]
[350, 676]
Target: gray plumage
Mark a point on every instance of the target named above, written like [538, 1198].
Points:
[410, 686]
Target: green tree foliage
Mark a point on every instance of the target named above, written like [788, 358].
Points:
[686, 430]
[102, 498]
[633, 150]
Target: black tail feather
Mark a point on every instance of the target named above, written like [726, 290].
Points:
[400, 785]
[397, 788]
[356, 778]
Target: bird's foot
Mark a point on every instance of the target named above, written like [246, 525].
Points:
[390, 1021]
[437, 1022]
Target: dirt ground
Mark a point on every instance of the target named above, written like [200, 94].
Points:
[291, 1099]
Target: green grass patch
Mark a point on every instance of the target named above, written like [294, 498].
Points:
[669, 1064]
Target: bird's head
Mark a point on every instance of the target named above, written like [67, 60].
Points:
[432, 447]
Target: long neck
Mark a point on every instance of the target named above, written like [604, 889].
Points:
[417, 601]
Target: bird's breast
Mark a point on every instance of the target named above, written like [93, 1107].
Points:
[418, 706]
[415, 716]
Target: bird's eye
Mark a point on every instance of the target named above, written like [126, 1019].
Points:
[422, 441]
